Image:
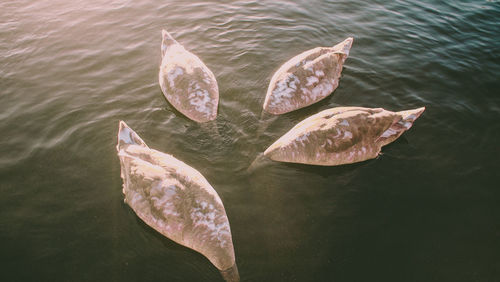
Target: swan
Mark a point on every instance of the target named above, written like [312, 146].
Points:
[187, 83]
[341, 135]
[175, 200]
[306, 78]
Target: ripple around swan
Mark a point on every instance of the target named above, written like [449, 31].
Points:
[69, 71]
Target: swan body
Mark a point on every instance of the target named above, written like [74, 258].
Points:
[341, 135]
[175, 200]
[187, 83]
[306, 78]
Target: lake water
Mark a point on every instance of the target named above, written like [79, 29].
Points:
[426, 210]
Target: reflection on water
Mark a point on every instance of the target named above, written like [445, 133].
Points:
[427, 207]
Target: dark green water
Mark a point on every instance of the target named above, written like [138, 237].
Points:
[428, 209]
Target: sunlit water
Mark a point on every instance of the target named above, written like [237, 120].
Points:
[426, 210]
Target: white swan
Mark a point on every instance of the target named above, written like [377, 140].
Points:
[175, 200]
[187, 83]
[306, 78]
[341, 135]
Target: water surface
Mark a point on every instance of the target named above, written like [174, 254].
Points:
[425, 210]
